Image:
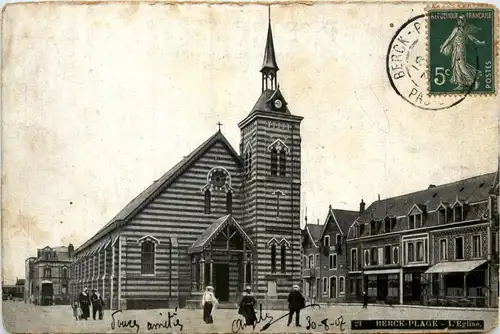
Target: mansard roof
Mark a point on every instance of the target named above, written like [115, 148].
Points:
[473, 191]
[144, 198]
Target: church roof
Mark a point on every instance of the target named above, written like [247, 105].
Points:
[158, 186]
[213, 230]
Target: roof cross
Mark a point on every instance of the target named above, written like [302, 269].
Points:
[219, 124]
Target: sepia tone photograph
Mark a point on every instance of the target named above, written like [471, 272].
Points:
[250, 167]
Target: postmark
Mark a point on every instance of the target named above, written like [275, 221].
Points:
[407, 68]
[461, 51]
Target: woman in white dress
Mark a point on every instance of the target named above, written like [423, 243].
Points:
[208, 302]
[464, 75]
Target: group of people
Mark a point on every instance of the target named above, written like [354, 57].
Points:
[296, 302]
[81, 307]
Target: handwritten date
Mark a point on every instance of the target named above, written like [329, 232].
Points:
[339, 322]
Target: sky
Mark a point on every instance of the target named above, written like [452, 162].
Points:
[99, 101]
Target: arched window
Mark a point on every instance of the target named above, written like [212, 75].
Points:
[147, 257]
[207, 201]
[283, 258]
[248, 162]
[274, 162]
[47, 272]
[229, 202]
[282, 163]
[64, 272]
[395, 257]
[273, 258]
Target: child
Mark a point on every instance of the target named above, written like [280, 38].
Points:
[76, 310]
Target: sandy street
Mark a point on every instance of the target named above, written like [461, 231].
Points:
[20, 317]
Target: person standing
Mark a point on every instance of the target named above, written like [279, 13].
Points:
[208, 302]
[97, 304]
[247, 307]
[365, 300]
[84, 300]
[296, 302]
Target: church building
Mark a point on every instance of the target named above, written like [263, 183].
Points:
[219, 217]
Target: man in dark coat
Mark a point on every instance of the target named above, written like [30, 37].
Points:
[97, 304]
[84, 300]
[296, 302]
[365, 300]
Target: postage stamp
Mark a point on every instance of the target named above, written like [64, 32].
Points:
[461, 46]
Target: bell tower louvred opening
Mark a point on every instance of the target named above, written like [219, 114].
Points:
[269, 66]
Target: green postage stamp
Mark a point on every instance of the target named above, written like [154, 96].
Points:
[461, 48]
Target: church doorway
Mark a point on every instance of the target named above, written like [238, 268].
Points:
[221, 271]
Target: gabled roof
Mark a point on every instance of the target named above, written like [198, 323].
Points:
[342, 218]
[59, 253]
[144, 198]
[213, 231]
[313, 232]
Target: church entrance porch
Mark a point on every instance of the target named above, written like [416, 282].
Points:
[223, 258]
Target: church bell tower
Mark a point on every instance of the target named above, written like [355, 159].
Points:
[271, 149]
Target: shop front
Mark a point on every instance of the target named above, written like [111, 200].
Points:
[384, 286]
[458, 283]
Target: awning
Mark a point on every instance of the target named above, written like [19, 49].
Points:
[455, 267]
[46, 282]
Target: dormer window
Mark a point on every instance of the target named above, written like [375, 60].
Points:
[414, 221]
[443, 215]
[458, 213]
[373, 228]
[387, 225]
[361, 229]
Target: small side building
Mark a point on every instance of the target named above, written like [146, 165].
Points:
[47, 276]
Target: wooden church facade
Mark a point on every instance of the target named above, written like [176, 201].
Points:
[218, 217]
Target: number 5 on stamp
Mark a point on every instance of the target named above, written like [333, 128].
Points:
[461, 46]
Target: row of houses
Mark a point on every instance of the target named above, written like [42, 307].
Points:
[437, 246]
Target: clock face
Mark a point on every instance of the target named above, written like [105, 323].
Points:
[278, 104]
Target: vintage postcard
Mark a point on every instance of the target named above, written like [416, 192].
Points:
[250, 167]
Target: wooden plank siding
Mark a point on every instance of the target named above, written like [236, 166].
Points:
[178, 212]
[260, 215]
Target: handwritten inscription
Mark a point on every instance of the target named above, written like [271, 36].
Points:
[339, 322]
[238, 324]
[167, 323]
[171, 322]
[123, 323]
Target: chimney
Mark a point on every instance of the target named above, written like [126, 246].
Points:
[379, 197]
[431, 186]
[318, 222]
[362, 207]
[71, 250]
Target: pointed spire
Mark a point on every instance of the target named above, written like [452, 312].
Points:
[269, 62]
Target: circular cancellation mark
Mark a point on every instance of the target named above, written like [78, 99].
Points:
[407, 68]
